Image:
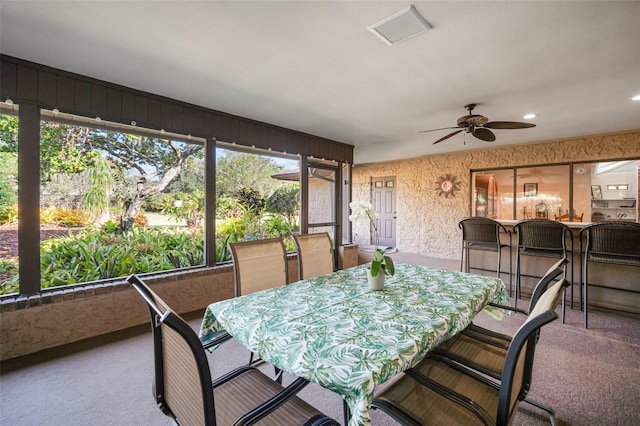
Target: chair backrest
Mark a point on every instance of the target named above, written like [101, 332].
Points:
[315, 255]
[608, 240]
[259, 265]
[542, 234]
[552, 273]
[481, 230]
[518, 365]
[182, 381]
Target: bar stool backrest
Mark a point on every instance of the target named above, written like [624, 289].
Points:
[542, 234]
[481, 230]
[613, 242]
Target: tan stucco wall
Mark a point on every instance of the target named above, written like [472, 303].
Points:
[427, 222]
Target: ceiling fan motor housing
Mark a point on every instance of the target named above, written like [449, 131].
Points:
[472, 119]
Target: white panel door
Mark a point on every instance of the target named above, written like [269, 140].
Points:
[383, 198]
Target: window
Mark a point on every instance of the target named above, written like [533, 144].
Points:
[114, 199]
[257, 196]
[8, 202]
[578, 192]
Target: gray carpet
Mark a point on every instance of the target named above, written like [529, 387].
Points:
[591, 377]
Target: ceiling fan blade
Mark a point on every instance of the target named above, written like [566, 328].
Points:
[507, 125]
[448, 136]
[484, 134]
[433, 130]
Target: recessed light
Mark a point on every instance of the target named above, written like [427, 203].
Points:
[636, 98]
[529, 116]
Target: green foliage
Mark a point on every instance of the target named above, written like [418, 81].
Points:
[228, 207]
[382, 263]
[238, 170]
[7, 193]
[186, 206]
[286, 201]
[5, 266]
[250, 199]
[276, 225]
[98, 254]
[101, 180]
[8, 214]
[191, 177]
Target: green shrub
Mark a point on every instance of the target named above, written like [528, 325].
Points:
[7, 194]
[8, 215]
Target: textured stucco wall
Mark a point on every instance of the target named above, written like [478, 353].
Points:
[427, 222]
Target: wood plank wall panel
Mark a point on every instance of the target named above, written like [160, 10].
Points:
[47, 89]
[50, 88]
[99, 101]
[66, 94]
[147, 113]
[129, 105]
[82, 99]
[8, 80]
[27, 84]
[114, 104]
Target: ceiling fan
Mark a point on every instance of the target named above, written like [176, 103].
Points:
[479, 125]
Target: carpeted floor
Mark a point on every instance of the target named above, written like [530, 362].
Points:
[591, 377]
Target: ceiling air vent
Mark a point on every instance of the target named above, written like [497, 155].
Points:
[402, 25]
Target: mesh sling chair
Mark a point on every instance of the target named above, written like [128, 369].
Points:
[259, 265]
[542, 238]
[612, 242]
[439, 390]
[315, 255]
[479, 233]
[183, 389]
[485, 350]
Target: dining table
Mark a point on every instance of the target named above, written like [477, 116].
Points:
[335, 331]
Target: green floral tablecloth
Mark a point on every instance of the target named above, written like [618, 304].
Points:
[335, 331]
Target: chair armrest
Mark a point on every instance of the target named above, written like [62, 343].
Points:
[489, 337]
[215, 340]
[508, 308]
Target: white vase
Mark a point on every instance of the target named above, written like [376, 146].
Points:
[375, 283]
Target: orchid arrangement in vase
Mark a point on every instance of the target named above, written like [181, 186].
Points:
[363, 212]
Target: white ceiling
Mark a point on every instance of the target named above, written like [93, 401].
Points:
[314, 66]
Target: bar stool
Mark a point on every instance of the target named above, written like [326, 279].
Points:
[480, 233]
[543, 238]
[611, 242]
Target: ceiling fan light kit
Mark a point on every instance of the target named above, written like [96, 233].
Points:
[479, 125]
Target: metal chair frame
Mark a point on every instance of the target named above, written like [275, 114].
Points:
[480, 233]
[500, 341]
[612, 242]
[514, 382]
[182, 375]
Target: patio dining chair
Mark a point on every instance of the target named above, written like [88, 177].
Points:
[439, 390]
[315, 255]
[259, 265]
[184, 391]
[485, 350]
